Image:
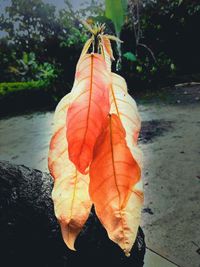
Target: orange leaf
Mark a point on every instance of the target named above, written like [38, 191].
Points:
[125, 107]
[107, 45]
[88, 110]
[70, 193]
[113, 175]
[106, 48]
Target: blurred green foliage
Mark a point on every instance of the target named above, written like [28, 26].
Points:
[130, 56]
[160, 41]
[116, 11]
[167, 51]
[28, 68]
[13, 87]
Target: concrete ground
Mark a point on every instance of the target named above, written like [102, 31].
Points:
[171, 215]
[171, 146]
[153, 259]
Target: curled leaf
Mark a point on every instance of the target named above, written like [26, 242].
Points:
[113, 38]
[113, 175]
[86, 46]
[106, 51]
[70, 193]
[107, 46]
[88, 110]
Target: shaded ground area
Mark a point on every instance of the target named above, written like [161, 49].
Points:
[154, 128]
[171, 146]
[182, 94]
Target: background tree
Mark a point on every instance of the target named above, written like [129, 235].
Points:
[161, 44]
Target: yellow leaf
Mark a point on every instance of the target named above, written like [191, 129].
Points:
[70, 193]
[106, 51]
[113, 38]
[125, 107]
[86, 46]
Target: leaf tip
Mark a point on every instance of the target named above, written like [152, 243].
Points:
[127, 254]
[69, 235]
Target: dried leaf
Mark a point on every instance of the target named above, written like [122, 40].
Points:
[88, 110]
[70, 193]
[107, 46]
[125, 107]
[106, 58]
[113, 38]
[86, 46]
[113, 175]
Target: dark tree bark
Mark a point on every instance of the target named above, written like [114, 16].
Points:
[30, 235]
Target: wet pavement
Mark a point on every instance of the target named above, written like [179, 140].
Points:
[153, 259]
[171, 215]
[171, 146]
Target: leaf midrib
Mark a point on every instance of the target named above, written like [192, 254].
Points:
[89, 105]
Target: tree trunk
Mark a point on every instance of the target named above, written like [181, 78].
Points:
[30, 235]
